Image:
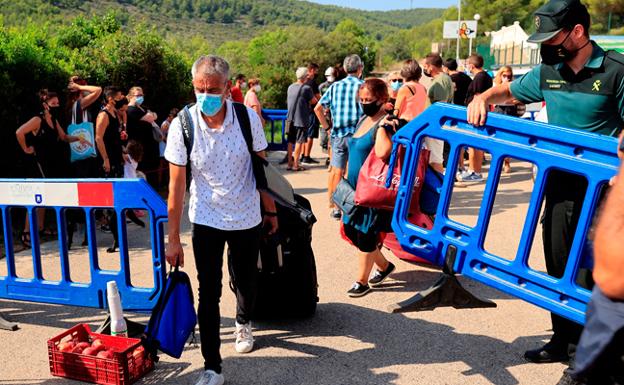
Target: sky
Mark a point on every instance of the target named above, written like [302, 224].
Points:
[386, 5]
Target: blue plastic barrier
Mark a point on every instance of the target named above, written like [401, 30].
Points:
[273, 116]
[58, 194]
[460, 247]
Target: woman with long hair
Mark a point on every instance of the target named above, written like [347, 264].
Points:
[39, 139]
[511, 107]
[363, 227]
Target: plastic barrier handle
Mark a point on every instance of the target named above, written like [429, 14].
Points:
[393, 158]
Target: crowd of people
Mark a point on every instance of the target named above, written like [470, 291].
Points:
[102, 133]
[356, 119]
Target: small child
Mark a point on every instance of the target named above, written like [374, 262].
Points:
[132, 157]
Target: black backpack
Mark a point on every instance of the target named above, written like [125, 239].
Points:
[268, 178]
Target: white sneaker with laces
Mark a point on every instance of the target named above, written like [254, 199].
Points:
[471, 176]
[210, 377]
[244, 339]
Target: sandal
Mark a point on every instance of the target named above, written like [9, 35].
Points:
[48, 233]
[25, 239]
[300, 168]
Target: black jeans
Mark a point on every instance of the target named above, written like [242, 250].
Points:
[564, 197]
[208, 246]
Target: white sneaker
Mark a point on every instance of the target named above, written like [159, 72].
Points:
[471, 176]
[210, 377]
[244, 339]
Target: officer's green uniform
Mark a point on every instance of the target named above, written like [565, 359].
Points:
[591, 100]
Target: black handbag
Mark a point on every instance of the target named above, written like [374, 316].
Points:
[344, 197]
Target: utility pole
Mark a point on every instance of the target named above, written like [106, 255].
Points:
[458, 22]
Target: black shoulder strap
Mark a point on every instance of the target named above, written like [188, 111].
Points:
[186, 122]
[257, 163]
[410, 88]
[243, 119]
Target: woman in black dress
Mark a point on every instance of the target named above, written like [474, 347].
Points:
[140, 128]
[110, 152]
[39, 139]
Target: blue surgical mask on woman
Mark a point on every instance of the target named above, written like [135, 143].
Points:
[395, 85]
[139, 100]
[209, 104]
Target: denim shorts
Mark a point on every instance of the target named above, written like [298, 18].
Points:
[340, 151]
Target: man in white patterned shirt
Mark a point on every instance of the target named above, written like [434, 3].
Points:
[224, 206]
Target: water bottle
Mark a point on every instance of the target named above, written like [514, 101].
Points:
[118, 323]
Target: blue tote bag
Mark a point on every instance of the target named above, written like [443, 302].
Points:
[81, 151]
[173, 318]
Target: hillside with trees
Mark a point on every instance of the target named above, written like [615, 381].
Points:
[217, 21]
[152, 43]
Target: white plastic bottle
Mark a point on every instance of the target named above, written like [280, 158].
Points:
[118, 323]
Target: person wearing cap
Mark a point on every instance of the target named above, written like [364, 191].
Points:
[330, 78]
[574, 68]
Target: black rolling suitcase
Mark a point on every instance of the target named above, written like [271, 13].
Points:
[287, 282]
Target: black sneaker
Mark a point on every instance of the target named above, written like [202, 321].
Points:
[309, 160]
[358, 290]
[336, 214]
[381, 276]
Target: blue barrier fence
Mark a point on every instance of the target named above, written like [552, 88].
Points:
[88, 195]
[277, 120]
[461, 247]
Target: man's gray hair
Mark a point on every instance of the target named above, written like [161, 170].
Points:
[210, 65]
[352, 64]
[301, 73]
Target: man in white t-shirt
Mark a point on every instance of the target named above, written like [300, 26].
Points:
[224, 206]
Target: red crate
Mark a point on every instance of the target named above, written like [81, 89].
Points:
[123, 369]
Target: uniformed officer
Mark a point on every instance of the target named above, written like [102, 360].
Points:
[583, 87]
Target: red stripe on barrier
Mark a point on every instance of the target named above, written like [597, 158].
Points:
[96, 194]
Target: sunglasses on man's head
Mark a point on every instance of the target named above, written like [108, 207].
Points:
[396, 80]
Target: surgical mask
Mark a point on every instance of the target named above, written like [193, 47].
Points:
[257, 88]
[330, 78]
[556, 54]
[370, 109]
[139, 100]
[243, 85]
[395, 85]
[427, 73]
[210, 104]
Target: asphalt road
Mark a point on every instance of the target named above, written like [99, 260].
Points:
[349, 341]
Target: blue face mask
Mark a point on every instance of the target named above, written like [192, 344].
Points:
[139, 100]
[395, 85]
[210, 104]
